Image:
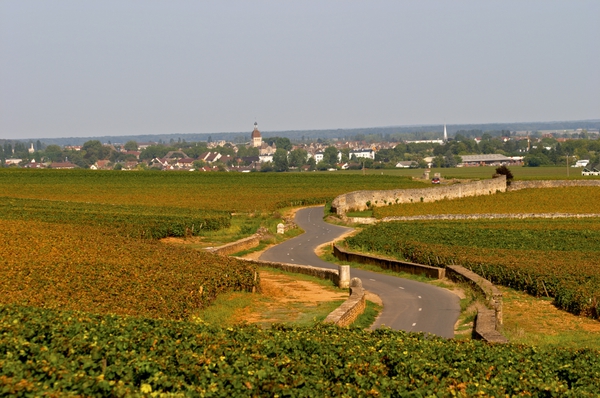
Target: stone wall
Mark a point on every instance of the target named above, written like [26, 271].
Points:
[386, 263]
[321, 273]
[361, 200]
[347, 313]
[489, 320]
[237, 246]
[488, 216]
[485, 326]
[516, 185]
[492, 293]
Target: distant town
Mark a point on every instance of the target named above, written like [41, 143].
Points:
[465, 148]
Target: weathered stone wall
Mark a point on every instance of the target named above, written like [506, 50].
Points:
[386, 263]
[321, 273]
[347, 313]
[362, 220]
[237, 246]
[489, 216]
[485, 326]
[489, 320]
[360, 200]
[492, 293]
[516, 185]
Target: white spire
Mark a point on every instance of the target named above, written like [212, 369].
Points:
[445, 133]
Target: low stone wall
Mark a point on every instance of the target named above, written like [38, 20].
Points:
[237, 246]
[492, 293]
[485, 326]
[517, 185]
[386, 263]
[352, 308]
[361, 200]
[488, 320]
[321, 273]
[362, 220]
[488, 216]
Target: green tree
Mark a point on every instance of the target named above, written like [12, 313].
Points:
[298, 157]
[280, 160]
[54, 153]
[505, 171]
[131, 146]
[154, 151]
[93, 151]
[330, 156]
[283, 142]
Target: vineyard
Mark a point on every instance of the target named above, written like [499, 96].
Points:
[90, 269]
[232, 192]
[88, 307]
[66, 353]
[575, 200]
[126, 220]
[555, 258]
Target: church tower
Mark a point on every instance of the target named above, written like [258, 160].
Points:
[255, 137]
[445, 134]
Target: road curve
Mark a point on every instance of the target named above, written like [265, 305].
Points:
[407, 305]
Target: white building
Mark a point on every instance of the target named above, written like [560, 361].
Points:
[363, 153]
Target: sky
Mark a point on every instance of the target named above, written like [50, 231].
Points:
[128, 67]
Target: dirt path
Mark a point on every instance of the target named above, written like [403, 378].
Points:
[286, 299]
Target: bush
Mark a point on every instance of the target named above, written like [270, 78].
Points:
[505, 171]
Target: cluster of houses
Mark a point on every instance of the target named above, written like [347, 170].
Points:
[213, 160]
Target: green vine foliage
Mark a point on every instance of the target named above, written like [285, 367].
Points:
[69, 353]
[558, 258]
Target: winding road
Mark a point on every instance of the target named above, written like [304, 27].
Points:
[407, 305]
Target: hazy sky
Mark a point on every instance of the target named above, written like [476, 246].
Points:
[89, 68]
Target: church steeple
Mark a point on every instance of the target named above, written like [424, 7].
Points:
[256, 137]
[445, 134]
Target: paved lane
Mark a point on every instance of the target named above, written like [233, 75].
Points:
[407, 305]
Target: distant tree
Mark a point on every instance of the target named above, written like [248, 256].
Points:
[322, 165]
[536, 160]
[449, 159]
[438, 161]
[54, 153]
[93, 151]
[280, 160]
[345, 154]
[330, 155]
[297, 157]
[154, 151]
[131, 146]
[283, 142]
[505, 171]
[266, 167]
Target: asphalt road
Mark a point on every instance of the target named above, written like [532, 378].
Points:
[407, 305]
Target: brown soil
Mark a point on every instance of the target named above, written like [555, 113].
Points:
[541, 315]
[285, 299]
[189, 240]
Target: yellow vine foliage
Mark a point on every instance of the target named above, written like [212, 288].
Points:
[93, 270]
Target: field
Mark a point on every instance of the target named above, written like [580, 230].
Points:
[232, 192]
[138, 221]
[483, 172]
[556, 258]
[66, 353]
[91, 269]
[574, 200]
[88, 308]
